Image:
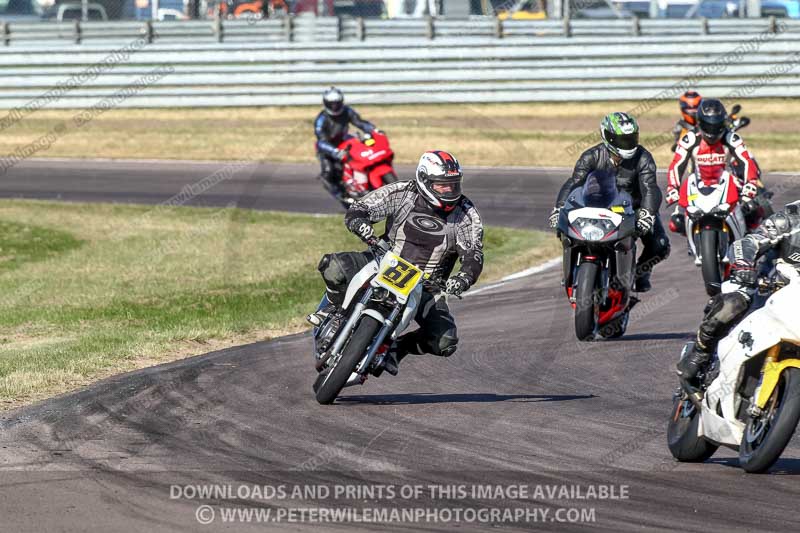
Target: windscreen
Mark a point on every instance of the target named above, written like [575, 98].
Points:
[600, 189]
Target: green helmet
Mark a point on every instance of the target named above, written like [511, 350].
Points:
[620, 133]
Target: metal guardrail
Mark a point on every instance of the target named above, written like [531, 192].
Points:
[327, 29]
[397, 70]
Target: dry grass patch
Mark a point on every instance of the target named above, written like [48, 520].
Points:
[105, 288]
[490, 134]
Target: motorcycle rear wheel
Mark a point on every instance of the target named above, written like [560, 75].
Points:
[682, 440]
[766, 436]
[586, 300]
[331, 381]
[709, 251]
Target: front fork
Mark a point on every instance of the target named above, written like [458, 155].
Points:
[770, 376]
[388, 324]
[604, 275]
[347, 329]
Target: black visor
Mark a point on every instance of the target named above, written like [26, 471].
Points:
[627, 141]
[713, 129]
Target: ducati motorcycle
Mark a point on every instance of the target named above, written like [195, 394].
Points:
[714, 220]
[597, 227]
[748, 397]
[368, 165]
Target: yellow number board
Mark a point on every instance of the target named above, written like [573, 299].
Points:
[398, 274]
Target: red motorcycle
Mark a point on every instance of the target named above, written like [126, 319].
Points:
[368, 165]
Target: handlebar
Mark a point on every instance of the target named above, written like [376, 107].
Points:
[767, 285]
[378, 246]
[441, 285]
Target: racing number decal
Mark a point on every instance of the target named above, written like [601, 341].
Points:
[399, 275]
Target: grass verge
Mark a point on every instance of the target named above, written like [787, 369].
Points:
[480, 134]
[90, 290]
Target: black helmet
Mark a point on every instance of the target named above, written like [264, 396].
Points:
[333, 100]
[439, 179]
[711, 116]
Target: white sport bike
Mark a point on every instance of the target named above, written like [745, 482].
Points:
[714, 220]
[380, 303]
[749, 396]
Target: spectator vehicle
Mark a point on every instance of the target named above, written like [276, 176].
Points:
[74, 11]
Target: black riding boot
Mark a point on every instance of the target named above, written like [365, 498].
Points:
[689, 366]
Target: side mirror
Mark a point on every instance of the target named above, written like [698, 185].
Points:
[735, 109]
[741, 122]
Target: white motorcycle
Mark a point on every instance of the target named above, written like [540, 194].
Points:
[714, 220]
[380, 303]
[749, 396]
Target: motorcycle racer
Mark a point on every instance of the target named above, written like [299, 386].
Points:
[779, 233]
[429, 223]
[331, 127]
[689, 101]
[711, 147]
[635, 169]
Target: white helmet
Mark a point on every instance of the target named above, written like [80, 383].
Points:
[333, 100]
[439, 179]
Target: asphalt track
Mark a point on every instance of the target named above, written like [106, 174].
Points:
[509, 198]
[521, 402]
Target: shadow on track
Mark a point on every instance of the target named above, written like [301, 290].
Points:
[424, 398]
[788, 466]
[657, 336]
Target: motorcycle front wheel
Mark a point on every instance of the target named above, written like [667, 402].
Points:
[389, 177]
[766, 436]
[332, 380]
[682, 439]
[586, 296]
[709, 251]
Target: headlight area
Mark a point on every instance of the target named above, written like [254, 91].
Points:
[592, 229]
[380, 295]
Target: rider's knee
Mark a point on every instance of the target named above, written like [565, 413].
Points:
[734, 304]
[328, 169]
[722, 311]
[663, 247]
[332, 271]
[446, 345]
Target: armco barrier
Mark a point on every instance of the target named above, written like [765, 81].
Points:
[395, 70]
[327, 29]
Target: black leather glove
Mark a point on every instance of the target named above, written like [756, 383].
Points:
[362, 228]
[554, 214]
[457, 284]
[644, 221]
